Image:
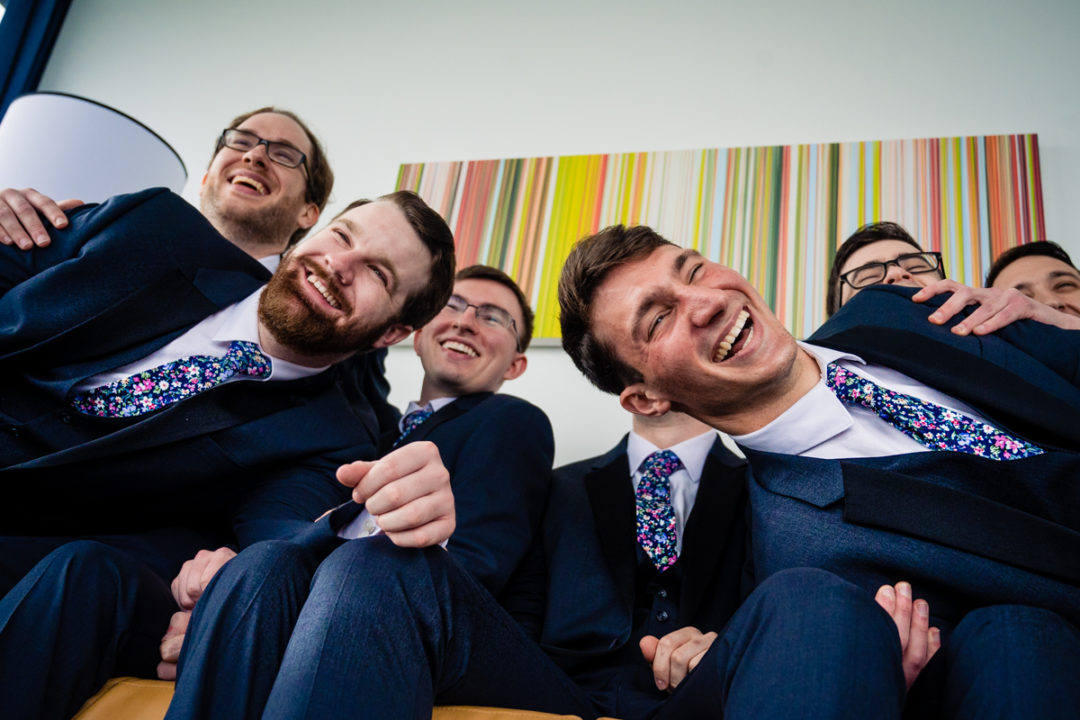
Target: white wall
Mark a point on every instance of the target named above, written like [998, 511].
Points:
[426, 80]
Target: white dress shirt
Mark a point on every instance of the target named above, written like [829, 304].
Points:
[684, 481]
[820, 425]
[212, 336]
[270, 262]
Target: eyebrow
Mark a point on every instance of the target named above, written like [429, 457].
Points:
[649, 300]
[382, 259]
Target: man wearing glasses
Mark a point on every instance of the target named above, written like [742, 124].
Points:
[883, 253]
[498, 451]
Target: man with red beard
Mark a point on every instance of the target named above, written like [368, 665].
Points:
[157, 400]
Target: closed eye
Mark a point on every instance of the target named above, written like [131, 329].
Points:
[694, 272]
[342, 236]
[655, 324]
[380, 274]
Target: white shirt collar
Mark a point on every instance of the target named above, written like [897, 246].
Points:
[270, 262]
[434, 406]
[241, 322]
[693, 452]
[800, 428]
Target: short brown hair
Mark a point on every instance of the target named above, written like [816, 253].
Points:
[586, 268]
[1049, 248]
[423, 305]
[320, 179]
[486, 272]
[866, 235]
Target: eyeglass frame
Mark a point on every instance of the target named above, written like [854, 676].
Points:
[268, 143]
[487, 307]
[939, 266]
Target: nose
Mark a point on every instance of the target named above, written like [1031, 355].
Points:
[257, 155]
[702, 305]
[338, 268]
[894, 274]
[466, 321]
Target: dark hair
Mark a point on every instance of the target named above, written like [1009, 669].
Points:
[423, 305]
[486, 272]
[866, 235]
[1039, 247]
[584, 271]
[320, 179]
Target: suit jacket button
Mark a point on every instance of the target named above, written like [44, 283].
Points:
[14, 431]
[66, 419]
[662, 616]
[661, 593]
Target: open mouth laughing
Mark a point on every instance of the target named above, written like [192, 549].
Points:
[459, 347]
[738, 336]
[249, 181]
[320, 285]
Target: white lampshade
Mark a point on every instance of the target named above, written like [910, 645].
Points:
[70, 147]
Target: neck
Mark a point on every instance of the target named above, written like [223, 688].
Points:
[669, 429]
[432, 389]
[772, 401]
[251, 240]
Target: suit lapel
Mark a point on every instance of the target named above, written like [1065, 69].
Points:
[443, 415]
[720, 502]
[611, 498]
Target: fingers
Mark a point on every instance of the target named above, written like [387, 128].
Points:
[171, 644]
[897, 602]
[350, 475]
[20, 223]
[425, 521]
[648, 647]
[195, 574]
[676, 654]
[936, 288]
[405, 474]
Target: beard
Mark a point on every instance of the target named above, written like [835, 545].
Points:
[288, 315]
[270, 226]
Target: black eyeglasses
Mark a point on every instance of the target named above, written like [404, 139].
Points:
[487, 314]
[914, 263]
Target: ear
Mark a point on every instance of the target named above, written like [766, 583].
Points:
[640, 400]
[202, 183]
[517, 366]
[308, 216]
[392, 335]
[416, 341]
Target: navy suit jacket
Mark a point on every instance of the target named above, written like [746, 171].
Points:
[498, 450]
[590, 551]
[253, 458]
[965, 530]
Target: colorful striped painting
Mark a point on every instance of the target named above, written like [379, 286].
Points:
[776, 214]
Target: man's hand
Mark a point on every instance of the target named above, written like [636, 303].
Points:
[407, 492]
[673, 656]
[196, 574]
[918, 641]
[171, 644]
[19, 221]
[997, 308]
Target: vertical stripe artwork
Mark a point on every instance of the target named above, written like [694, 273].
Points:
[775, 214]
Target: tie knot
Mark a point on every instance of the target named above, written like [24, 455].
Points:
[412, 420]
[661, 464]
[246, 359]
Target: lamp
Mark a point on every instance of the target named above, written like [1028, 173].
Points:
[70, 147]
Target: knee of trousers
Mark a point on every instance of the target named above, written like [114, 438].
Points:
[83, 561]
[377, 568]
[1012, 623]
[270, 563]
[812, 596]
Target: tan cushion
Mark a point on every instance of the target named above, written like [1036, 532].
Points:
[135, 699]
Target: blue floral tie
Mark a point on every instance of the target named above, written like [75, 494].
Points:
[166, 384]
[655, 514]
[412, 421]
[936, 427]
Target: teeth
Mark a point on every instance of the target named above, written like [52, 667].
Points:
[459, 347]
[250, 182]
[729, 340]
[318, 285]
